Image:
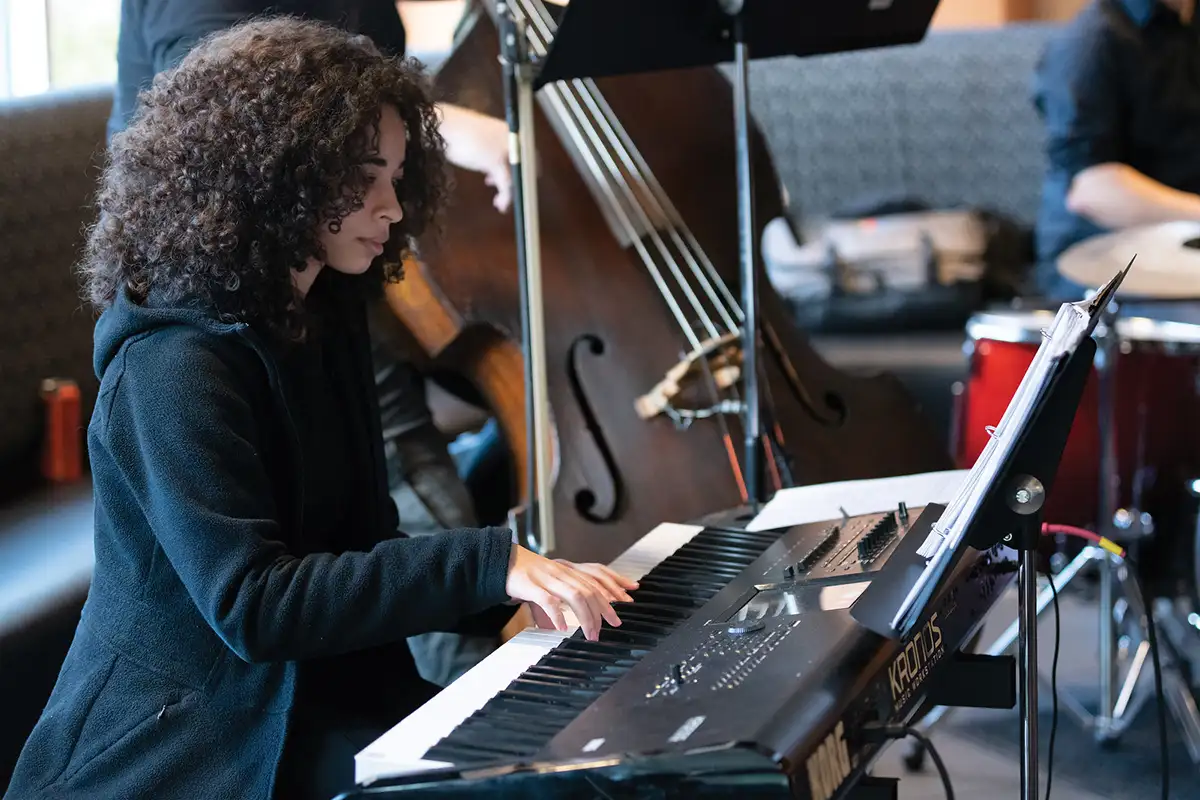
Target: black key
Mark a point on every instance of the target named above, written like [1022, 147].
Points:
[521, 719]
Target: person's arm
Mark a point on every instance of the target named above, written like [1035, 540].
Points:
[479, 142]
[1115, 195]
[188, 445]
[1080, 93]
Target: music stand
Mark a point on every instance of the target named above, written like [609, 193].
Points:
[604, 38]
[1009, 513]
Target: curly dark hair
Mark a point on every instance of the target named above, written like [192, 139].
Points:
[217, 189]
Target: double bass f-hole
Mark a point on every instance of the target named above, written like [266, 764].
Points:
[599, 500]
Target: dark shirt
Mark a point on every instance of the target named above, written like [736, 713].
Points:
[322, 390]
[1119, 83]
[156, 34]
[321, 413]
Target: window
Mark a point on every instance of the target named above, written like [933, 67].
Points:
[82, 37]
[57, 44]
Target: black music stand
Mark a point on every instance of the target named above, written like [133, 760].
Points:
[1009, 514]
[600, 38]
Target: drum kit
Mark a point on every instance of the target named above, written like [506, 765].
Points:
[1130, 470]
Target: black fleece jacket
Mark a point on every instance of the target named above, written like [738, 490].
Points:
[205, 603]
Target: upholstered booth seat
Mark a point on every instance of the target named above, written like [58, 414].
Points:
[50, 148]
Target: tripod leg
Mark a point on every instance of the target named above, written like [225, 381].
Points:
[1122, 711]
[1108, 655]
[1115, 713]
[1183, 707]
[1177, 691]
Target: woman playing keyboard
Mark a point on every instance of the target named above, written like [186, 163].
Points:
[245, 631]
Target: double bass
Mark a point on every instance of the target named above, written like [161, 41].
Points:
[639, 253]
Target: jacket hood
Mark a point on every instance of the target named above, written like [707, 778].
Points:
[125, 319]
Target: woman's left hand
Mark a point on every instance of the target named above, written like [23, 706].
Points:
[479, 143]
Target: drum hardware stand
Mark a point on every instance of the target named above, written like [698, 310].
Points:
[1121, 597]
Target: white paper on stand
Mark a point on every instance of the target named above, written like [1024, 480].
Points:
[801, 504]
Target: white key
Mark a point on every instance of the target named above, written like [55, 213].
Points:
[402, 749]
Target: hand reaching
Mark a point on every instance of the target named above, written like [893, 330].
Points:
[548, 585]
[479, 142]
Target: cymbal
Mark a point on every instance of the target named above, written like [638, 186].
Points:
[1167, 265]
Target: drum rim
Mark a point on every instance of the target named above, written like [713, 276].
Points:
[1158, 331]
[1011, 326]
[1003, 326]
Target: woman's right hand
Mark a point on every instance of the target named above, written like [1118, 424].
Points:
[549, 585]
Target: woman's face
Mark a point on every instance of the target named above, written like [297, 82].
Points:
[363, 234]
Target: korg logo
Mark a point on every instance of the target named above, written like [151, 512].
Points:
[829, 766]
[912, 664]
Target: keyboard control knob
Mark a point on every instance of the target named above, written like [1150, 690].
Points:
[749, 626]
[789, 572]
[677, 672]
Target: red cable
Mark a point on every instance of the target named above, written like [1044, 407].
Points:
[1084, 533]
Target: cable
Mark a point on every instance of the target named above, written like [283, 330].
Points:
[937, 759]
[1151, 632]
[1084, 533]
[1053, 687]
[1159, 699]
[874, 732]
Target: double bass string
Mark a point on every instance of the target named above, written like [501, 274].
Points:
[611, 155]
[569, 99]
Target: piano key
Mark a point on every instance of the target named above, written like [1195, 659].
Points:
[617, 651]
[573, 671]
[402, 749]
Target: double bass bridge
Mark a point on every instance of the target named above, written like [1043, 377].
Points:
[705, 372]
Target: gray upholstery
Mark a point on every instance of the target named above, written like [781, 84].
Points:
[49, 159]
[948, 121]
[50, 149]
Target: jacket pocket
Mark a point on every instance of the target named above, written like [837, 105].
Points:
[134, 715]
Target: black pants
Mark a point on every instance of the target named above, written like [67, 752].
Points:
[318, 756]
[319, 765]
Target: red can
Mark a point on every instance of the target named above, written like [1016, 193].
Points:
[62, 447]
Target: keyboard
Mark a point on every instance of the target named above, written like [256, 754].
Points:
[411, 746]
[738, 671]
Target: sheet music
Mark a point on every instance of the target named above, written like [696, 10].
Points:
[802, 504]
[1071, 324]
